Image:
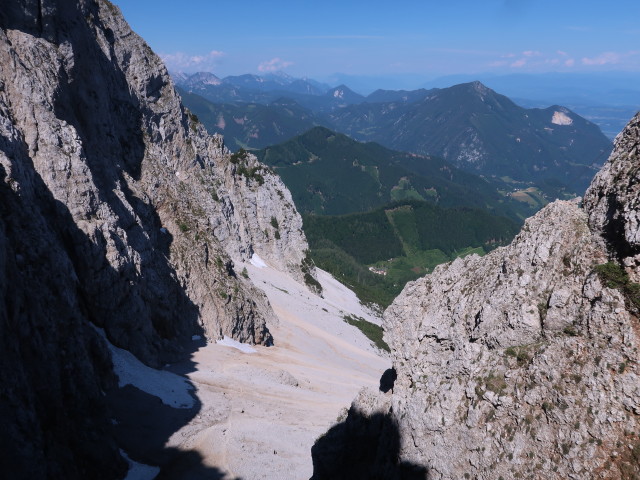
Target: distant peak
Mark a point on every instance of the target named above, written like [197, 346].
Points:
[480, 87]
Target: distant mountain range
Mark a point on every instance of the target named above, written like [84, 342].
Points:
[596, 89]
[470, 125]
[248, 88]
[251, 125]
[480, 131]
[604, 98]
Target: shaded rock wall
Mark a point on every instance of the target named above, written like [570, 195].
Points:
[117, 211]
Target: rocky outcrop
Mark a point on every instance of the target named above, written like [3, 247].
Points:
[118, 211]
[613, 199]
[523, 363]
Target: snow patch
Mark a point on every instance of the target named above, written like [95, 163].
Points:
[256, 261]
[171, 389]
[561, 118]
[139, 471]
[230, 342]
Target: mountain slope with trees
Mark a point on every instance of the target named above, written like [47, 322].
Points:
[329, 173]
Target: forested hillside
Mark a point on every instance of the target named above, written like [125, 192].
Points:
[400, 242]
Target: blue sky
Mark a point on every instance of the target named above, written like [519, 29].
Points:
[426, 38]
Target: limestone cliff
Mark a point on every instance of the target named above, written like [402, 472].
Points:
[117, 211]
[523, 363]
[613, 199]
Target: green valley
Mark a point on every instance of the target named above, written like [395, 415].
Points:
[376, 253]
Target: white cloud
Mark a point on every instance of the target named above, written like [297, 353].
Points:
[531, 53]
[570, 62]
[613, 58]
[274, 65]
[606, 58]
[519, 63]
[183, 61]
[562, 54]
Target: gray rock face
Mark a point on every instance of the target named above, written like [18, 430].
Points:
[158, 206]
[523, 363]
[613, 198]
[118, 211]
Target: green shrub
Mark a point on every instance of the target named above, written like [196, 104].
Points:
[193, 121]
[251, 173]
[614, 276]
[519, 353]
[495, 383]
[238, 156]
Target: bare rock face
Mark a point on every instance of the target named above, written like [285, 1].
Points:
[117, 211]
[613, 199]
[523, 363]
[159, 208]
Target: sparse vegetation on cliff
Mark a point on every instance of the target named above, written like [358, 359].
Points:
[372, 331]
[614, 276]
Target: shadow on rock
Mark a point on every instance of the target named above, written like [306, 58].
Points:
[363, 447]
[387, 380]
[189, 465]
